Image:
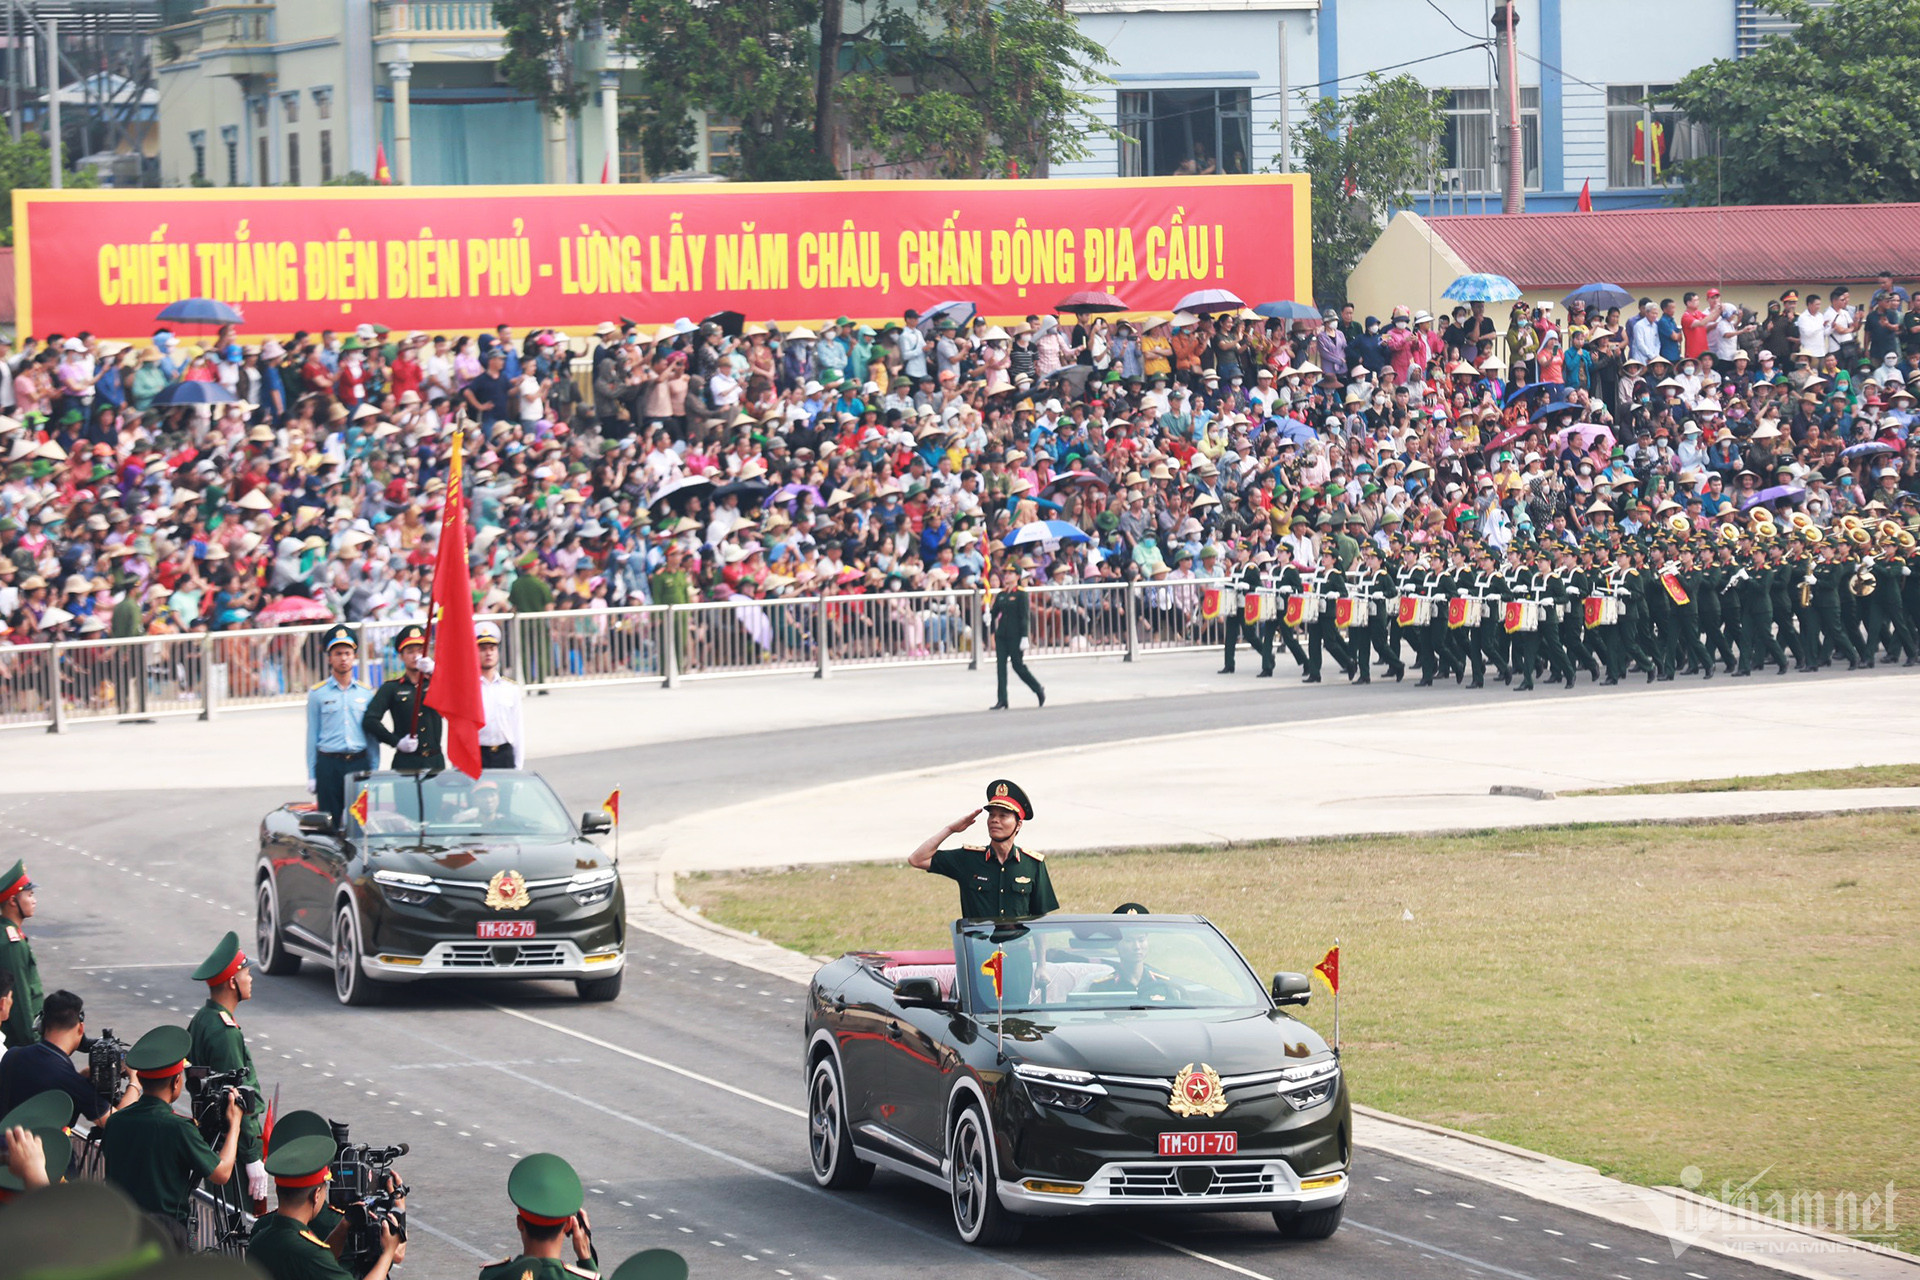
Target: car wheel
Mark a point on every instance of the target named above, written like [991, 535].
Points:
[274, 956]
[978, 1215]
[351, 985]
[829, 1140]
[599, 990]
[1313, 1224]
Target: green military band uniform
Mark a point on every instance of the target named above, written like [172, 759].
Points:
[281, 1246]
[306, 1124]
[403, 702]
[16, 958]
[218, 1042]
[989, 888]
[544, 1188]
[153, 1153]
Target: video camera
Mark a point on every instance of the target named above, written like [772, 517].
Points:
[106, 1064]
[365, 1191]
[208, 1090]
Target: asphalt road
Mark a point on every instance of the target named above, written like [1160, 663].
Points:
[680, 1103]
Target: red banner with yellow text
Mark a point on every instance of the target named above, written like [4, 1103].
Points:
[463, 259]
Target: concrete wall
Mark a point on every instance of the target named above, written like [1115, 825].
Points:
[1407, 266]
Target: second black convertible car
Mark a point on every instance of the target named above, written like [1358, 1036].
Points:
[441, 877]
[1128, 1062]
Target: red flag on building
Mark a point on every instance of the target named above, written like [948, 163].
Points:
[1329, 969]
[454, 690]
[606, 171]
[381, 174]
[1585, 203]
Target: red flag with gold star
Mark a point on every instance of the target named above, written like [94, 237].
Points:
[359, 807]
[994, 966]
[1329, 969]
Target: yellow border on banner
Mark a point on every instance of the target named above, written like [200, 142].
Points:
[24, 199]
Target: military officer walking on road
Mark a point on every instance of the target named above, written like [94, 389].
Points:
[998, 880]
[219, 1043]
[155, 1154]
[1010, 636]
[546, 1192]
[414, 733]
[17, 904]
[503, 743]
[337, 744]
[283, 1243]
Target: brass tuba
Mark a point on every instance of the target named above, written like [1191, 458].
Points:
[1862, 583]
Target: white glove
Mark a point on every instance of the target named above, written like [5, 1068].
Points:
[257, 1181]
[409, 744]
[312, 787]
[424, 665]
[1023, 644]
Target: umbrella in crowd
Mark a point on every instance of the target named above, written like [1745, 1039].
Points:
[1074, 480]
[1588, 432]
[1293, 429]
[678, 492]
[1203, 302]
[195, 393]
[1505, 438]
[1598, 297]
[1284, 310]
[1481, 287]
[1777, 493]
[790, 493]
[1044, 533]
[1558, 406]
[1089, 301]
[290, 611]
[958, 312]
[730, 322]
[1530, 388]
[199, 311]
[1867, 449]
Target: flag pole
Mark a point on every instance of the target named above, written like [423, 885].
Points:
[457, 473]
[1000, 1010]
[1336, 1006]
[616, 822]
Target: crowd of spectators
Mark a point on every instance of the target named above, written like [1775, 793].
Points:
[716, 460]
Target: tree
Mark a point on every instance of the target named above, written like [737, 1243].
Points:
[1819, 117]
[25, 164]
[965, 86]
[1366, 153]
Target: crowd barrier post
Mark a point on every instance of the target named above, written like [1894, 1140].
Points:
[1133, 619]
[670, 649]
[822, 664]
[56, 698]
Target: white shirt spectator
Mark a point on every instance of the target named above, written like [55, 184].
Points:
[1725, 341]
[1816, 332]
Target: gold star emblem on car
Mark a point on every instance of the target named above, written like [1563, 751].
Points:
[507, 891]
[1197, 1093]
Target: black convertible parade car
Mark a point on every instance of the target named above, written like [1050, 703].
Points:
[440, 876]
[1127, 1062]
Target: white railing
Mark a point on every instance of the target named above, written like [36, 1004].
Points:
[205, 673]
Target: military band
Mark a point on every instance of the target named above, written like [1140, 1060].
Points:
[1670, 599]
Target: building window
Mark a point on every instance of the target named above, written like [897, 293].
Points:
[265, 168]
[198, 141]
[293, 159]
[1466, 146]
[230, 143]
[1170, 131]
[323, 103]
[1646, 136]
[723, 145]
[259, 108]
[290, 106]
[326, 155]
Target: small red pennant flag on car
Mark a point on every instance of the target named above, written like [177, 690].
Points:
[1329, 969]
[994, 966]
[359, 807]
[611, 805]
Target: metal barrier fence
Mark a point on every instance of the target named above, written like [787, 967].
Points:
[213, 1226]
[203, 674]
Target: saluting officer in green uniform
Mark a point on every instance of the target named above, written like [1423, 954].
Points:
[414, 733]
[153, 1153]
[998, 880]
[546, 1191]
[219, 1043]
[17, 903]
[284, 1243]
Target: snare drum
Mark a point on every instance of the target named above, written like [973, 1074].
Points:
[1475, 613]
[1310, 606]
[1522, 615]
[1421, 611]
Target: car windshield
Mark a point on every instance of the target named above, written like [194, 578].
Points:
[1125, 963]
[448, 805]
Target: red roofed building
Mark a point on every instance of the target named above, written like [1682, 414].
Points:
[1751, 253]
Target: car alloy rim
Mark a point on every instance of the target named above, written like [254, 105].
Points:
[824, 1122]
[345, 959]
[266, 925]
[969, 1174]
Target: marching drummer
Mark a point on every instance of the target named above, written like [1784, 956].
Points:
[1324, 634]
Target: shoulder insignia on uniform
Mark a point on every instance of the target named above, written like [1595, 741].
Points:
[583, 1272]
[228, 1019]
[14, 934]
[364, 685]
[973, 848]
[317, 684]
[1037, 857]
[308, 1235]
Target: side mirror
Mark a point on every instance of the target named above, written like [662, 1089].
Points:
[317, 822]
[919, 993]
[594, 824]
[1291, 988]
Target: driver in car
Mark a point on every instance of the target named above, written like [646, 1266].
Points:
[1132, 973]
[485, 807]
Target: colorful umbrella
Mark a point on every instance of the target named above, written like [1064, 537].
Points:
[289, 611]
[1558, 406]
[1288, 311]
[1073, 480]
[1867, 449]
[1598, 297]
[199, 311]
[958, 312]
[194, 393]
[1789, 492]
[1044, 533]
[1481, 287]
[1088, 301]
[1207, 301]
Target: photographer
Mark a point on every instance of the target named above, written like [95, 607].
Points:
[546, 1191]
[282, 1245]
[218, 1042]
[32, 1069]
[153, 1153]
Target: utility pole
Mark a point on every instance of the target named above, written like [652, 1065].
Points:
[1507, 107]
[54, 158]
[1286, 113]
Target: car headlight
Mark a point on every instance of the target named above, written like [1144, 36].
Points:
[1311, 1084]
[1059, 1087]
[405, 887]
[590, 887]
